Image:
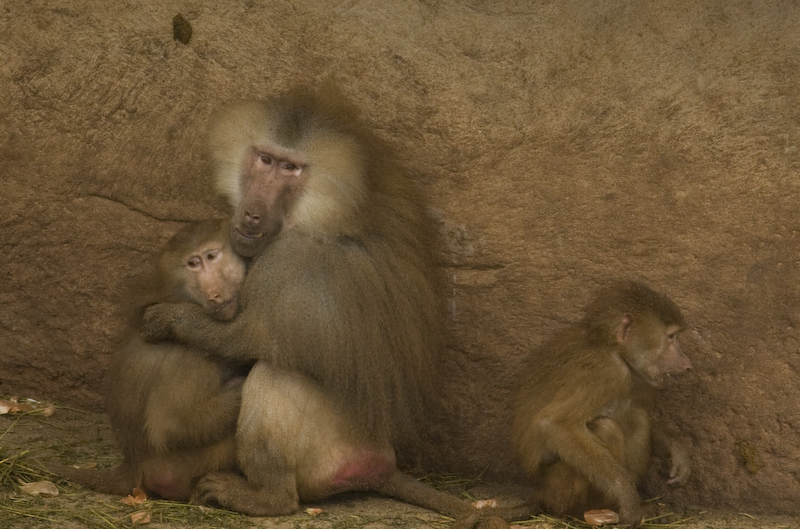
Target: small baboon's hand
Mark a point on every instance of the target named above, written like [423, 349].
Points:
[157, 323]
[680, 465]
[631, 516]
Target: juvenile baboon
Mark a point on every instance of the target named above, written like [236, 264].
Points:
[582, 427]
[340, 309]
[173, 411]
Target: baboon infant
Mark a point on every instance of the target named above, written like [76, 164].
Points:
[582, 426]
[174, 411]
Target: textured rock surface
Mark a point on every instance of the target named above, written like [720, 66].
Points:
[563, 144]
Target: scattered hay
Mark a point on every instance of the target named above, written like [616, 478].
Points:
[75, 436]
[82, 508]
[18, 468]
[75, 507]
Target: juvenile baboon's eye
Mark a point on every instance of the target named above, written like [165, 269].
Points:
[194, 262]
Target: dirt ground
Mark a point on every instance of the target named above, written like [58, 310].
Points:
[75, 436]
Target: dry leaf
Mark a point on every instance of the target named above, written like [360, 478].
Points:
[313, 511]
[137, 498]
[141, 517]
[39, 487]
[601, 517]
[13, 405]
[22, 407]
[480, 504]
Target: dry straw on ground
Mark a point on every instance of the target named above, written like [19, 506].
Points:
[76, 437]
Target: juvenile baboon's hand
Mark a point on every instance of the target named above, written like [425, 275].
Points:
[631, 516]
[680, 465]
[157, 323]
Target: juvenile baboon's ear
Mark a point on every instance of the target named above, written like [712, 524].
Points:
[624, 329]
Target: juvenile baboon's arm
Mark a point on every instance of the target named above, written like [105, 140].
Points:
[189, 324]
[579, 448]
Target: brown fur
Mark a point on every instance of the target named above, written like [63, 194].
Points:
[346, 293]
[172, 410]
[582, 427]
[340, 309]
